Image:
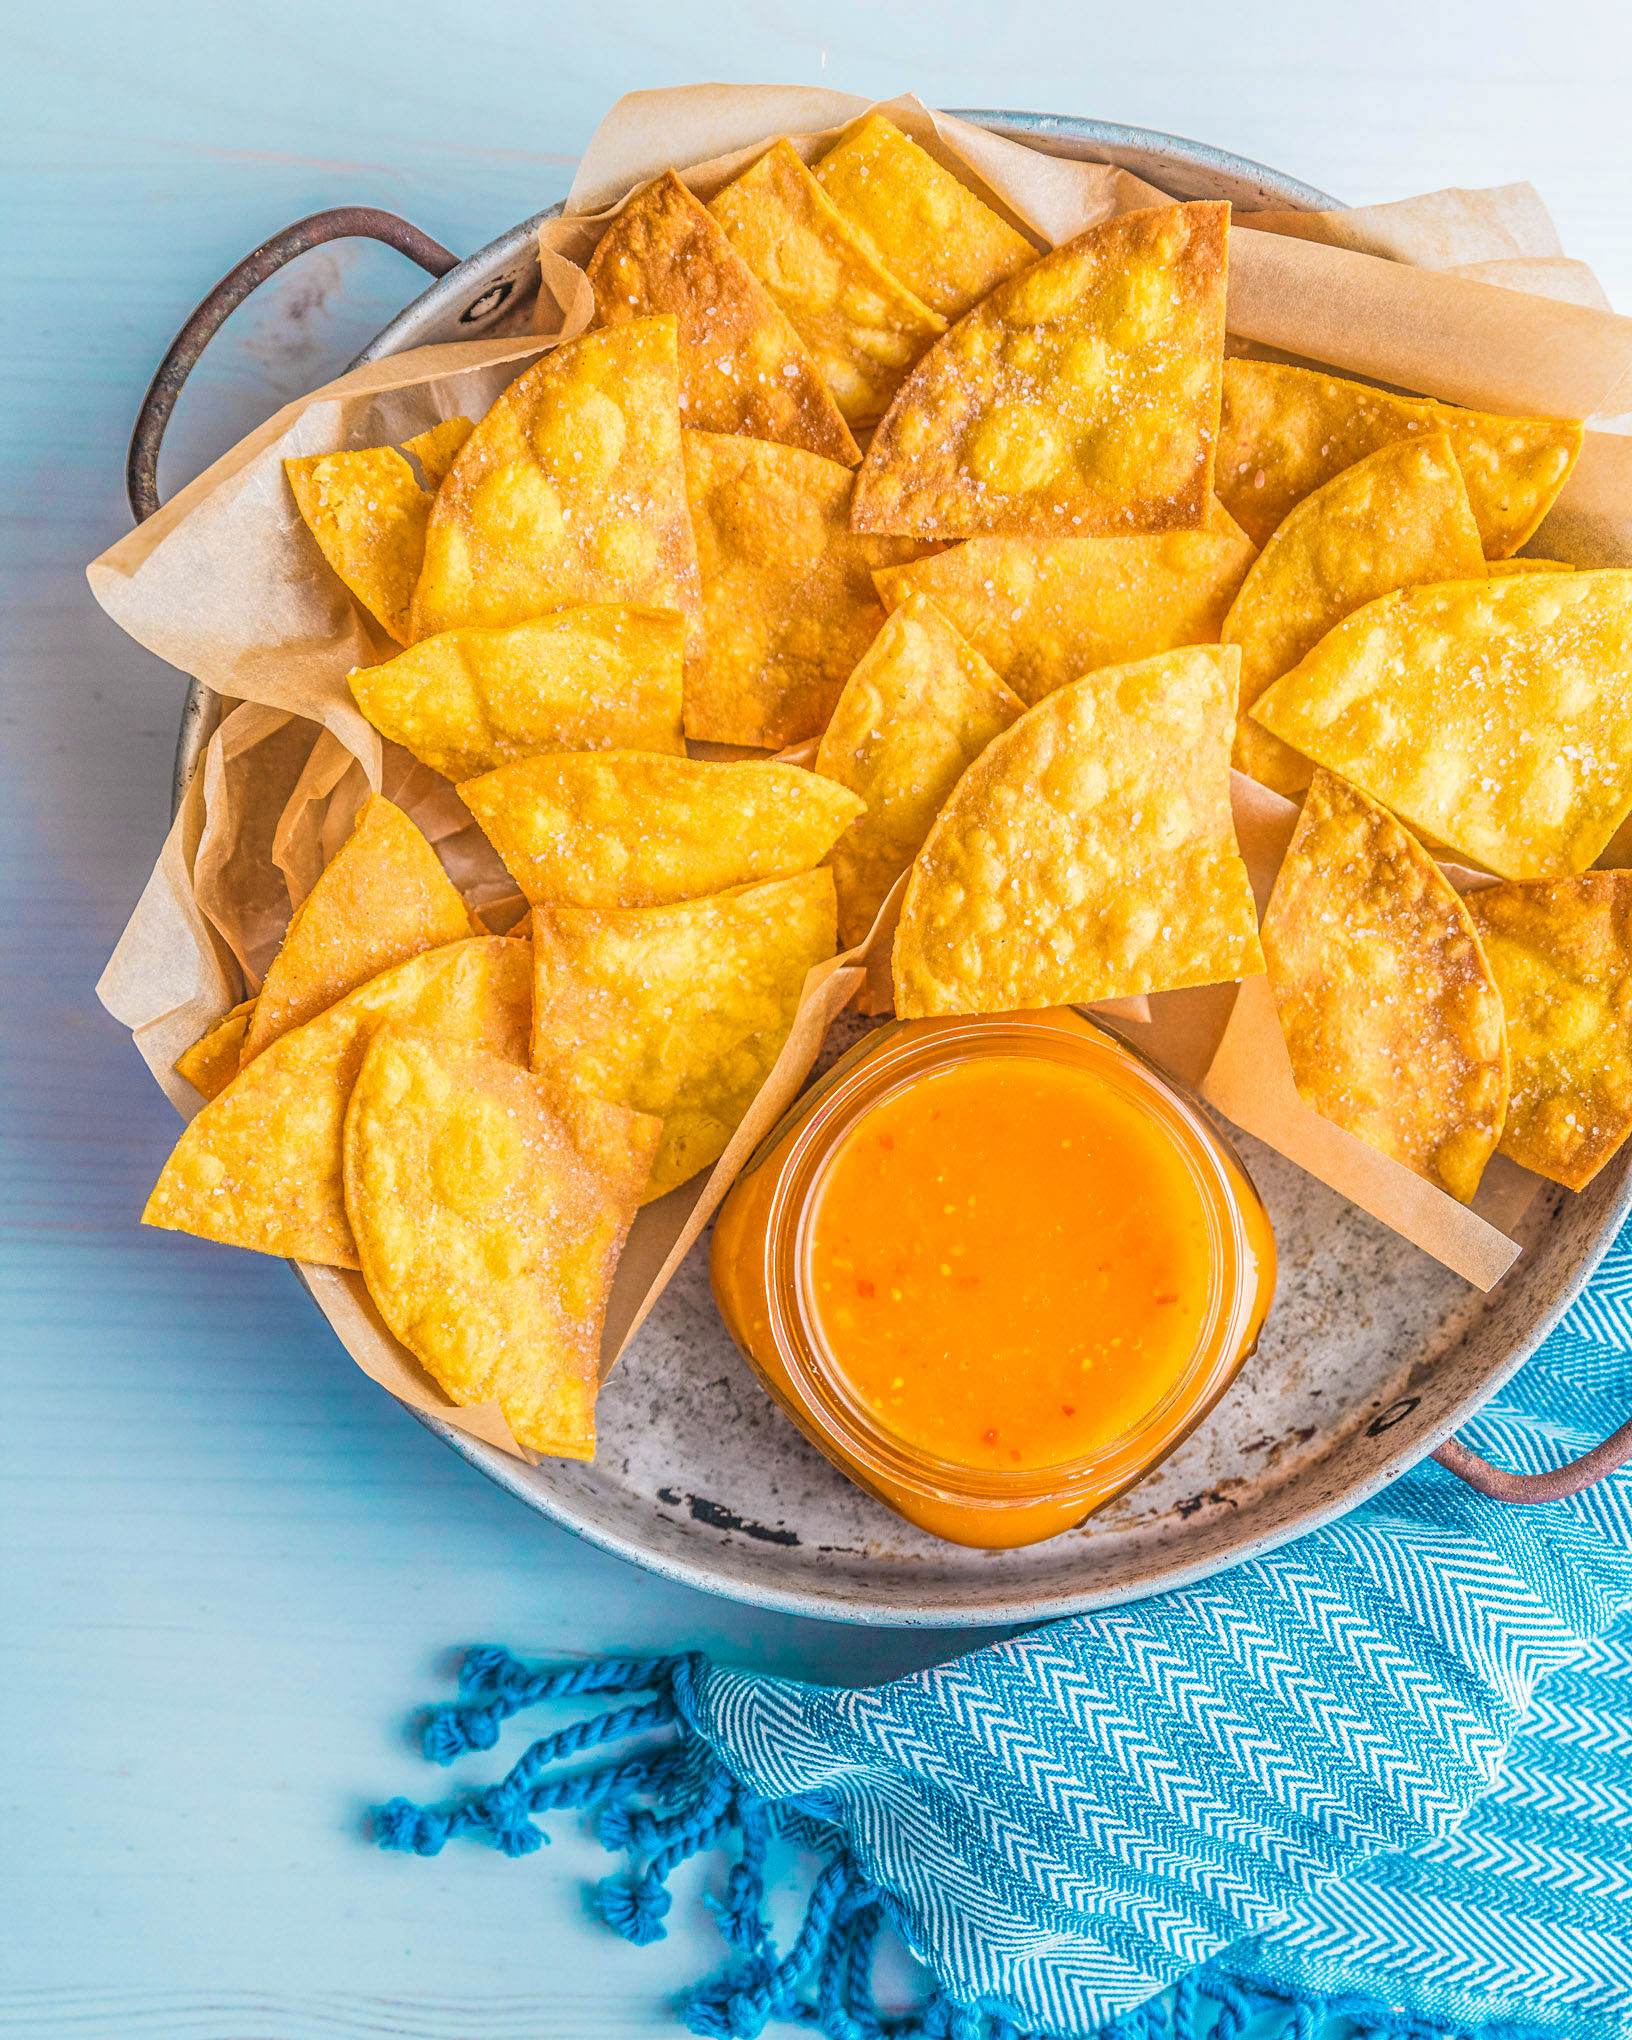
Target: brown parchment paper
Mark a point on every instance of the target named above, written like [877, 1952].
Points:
[1465, 295]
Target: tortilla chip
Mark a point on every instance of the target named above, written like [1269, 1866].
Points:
[917, 220]
[1528, 567]
[1396, 518]
[920, 707]
[742, 366]
[381, 898]
[1080, 399]
[260, 1166]
[1088, 853]
[1392, 1020]
[864, 327]
[788, 599]
[571, 489]
[1284, 431]
[1042, 612]
[623, 829]
[437, 448]
[1493, 715]
[678, 1010]
[212, 1062]
[489, 1213]
[368, 514]
[1561, 955]
[598, 676]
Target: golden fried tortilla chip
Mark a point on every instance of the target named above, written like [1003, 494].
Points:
[920, 707]
[623, 829]
[1045, 611]
[788, 599]
[571, 489]
[381, 898]
[1284, 431]
[212, 1062]
[1079, 400]
[742, 366]
[1396, 518]
[864, 327]
[1492, 715]
[678, 1010]
[260, 1166]
[368, 514]
[1528, 567]
[1392, 1020]
[1088, 853]
[595, 677]
[916, 220]
[437, 448]
[489, 1211]
[1561, 955]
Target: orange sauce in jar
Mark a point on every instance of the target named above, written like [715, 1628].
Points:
[996, 1269]
[1009, 1262]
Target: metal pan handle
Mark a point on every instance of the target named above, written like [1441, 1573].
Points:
[1574, 1477]
[342, 223]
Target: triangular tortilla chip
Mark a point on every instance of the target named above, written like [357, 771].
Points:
[1079, 399]
[1042, 612]
[622, 829]
[368, 514]
[597, 676]
[919, 709]
[571, 489]
[916, 220]
[488, 1212]
[213, 1060]
[742, 366]
[260, 1166]
[1088, 853]
[380, 899]
[1392, 1020]
[678, 1010]
[1561, 955]
[1284, 431]
[1396, 518]
[1492, 715]
[788, 598]
[864, 327]
[437, 447]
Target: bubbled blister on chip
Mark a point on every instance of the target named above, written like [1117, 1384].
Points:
[1088, 853]
[1391, 1017]
[1081, 397]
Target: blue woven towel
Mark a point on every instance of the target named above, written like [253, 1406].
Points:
[1386, 1770]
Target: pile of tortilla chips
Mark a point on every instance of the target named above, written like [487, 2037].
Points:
[999, 535]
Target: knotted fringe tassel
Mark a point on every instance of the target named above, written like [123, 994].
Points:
[673, 1800]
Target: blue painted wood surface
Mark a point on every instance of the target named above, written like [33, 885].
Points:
[232, 1565]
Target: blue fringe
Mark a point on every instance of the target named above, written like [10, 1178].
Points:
[675, 1799]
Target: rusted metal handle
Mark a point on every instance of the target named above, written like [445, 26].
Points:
[343, 223]
[1574, 1477]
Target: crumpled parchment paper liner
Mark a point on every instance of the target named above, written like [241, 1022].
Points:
[226, 584]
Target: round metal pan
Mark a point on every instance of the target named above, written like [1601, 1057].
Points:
[1372, 1356]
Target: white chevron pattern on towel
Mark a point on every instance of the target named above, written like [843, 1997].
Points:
[1395, 1758]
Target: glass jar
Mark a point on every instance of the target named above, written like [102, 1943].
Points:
[761, 1273]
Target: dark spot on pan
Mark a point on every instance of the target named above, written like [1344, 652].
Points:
[719, 1518]
[1191, 1503]
[671, 1495]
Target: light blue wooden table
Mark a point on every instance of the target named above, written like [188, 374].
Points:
[232, 1565]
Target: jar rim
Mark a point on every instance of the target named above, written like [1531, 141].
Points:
[880, 1066]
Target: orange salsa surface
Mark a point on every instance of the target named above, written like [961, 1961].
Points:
[1009, 1263]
